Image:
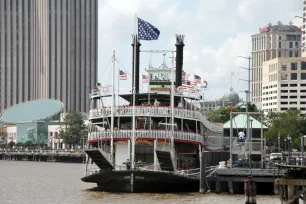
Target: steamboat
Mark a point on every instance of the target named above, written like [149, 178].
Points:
[153, 142]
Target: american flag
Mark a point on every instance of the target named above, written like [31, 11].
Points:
[122, 75]
[188, 85]
[146, 31]
[145, 78]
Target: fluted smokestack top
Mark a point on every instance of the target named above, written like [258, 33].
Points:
[179, 59]
[180, 40]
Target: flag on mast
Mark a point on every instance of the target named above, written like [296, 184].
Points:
[146, 31]
[122, 75]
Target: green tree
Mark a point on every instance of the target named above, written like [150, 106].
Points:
[11, 144]
[73, 130]
[288, 123]
[222, 115]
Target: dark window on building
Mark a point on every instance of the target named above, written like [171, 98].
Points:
[279, 37]
[296, 53]
[293, 91]
[303, 76]
[296, 44]
[293, 96]
[284, 85]
[284, 91]
[302, 96]
[290, 44]
[293, 85]
[284, 103]
[293, 76]
[284, 67]
[290, 53]
[294, 66]
[292, 102]
[279, 53]
[303, 91]
[303, 85]
[291, 37]
[283, 97]
[303, 102]
[284, 109]
[279, 44]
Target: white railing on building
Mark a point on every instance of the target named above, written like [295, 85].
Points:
[158, 134]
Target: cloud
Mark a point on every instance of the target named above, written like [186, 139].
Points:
[216, 33]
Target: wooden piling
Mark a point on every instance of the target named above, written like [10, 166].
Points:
[250, 190]
[203, 187]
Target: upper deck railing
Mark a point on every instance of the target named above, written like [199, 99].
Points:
[146, 111]
[148, 134]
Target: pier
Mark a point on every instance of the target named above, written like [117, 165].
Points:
[43, 156]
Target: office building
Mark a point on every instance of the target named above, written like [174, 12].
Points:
[48, 49]
[284, 84]
[273, 41]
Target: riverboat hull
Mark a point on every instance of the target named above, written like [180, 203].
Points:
[143, 181]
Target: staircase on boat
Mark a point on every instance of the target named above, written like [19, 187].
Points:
[100, 158]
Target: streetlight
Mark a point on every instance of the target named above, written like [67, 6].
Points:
[289, 142]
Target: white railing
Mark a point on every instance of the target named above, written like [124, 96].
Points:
[158, 134]
[143, 111]
[161, 111]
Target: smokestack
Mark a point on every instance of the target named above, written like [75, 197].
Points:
[136, 45]
[179, 59]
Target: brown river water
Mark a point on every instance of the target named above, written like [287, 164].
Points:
[51, 183]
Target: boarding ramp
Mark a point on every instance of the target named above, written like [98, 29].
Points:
[214, 128]
[101, 158]
[165, 158]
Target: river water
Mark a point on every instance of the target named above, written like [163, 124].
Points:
[51, 183]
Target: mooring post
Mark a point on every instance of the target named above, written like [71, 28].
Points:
[203, 187]
[250, 190]
[230, 187]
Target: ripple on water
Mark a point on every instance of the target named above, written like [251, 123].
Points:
[52, 183]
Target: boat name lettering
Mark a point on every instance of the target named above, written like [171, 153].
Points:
[160, 89]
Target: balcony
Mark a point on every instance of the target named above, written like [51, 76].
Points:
[144, 111]
[179, 136]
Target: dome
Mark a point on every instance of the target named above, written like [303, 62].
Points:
[285, 28]
[230, 98]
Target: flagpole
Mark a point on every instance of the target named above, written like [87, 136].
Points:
[134, 98]
[112, 110]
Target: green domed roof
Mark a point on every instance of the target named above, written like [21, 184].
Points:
[231, 97]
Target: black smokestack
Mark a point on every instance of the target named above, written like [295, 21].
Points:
[179, 59]
[136, 45]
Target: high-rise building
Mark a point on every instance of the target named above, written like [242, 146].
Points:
[48, 49]
[272, 42]
[304, 30]
[284, 84]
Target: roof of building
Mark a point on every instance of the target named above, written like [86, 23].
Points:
[31, 111]
[231, 97]
[240, 122]
[285, 28]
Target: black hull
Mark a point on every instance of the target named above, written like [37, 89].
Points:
[144, 181]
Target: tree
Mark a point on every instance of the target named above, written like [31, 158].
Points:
[73, 130]
[288, 123]
[222, 115]
[11, 144]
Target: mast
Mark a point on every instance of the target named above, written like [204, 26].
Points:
[112, 110]
[172, 104]
[134, 98]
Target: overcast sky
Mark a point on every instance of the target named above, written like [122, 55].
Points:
[216, 31]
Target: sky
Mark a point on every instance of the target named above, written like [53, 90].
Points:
[216, 32]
